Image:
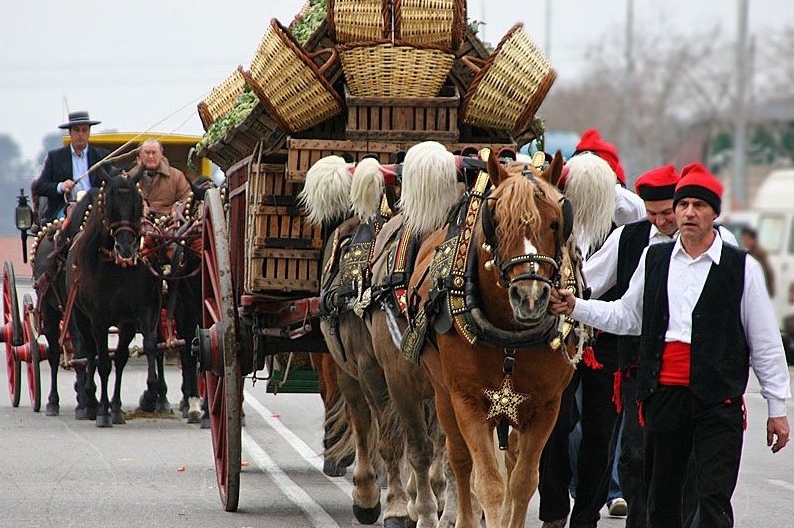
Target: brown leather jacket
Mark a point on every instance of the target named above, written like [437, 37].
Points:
[162, 189]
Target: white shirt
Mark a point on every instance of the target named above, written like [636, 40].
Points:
[628, 206]
[686, 278]
[601, 269]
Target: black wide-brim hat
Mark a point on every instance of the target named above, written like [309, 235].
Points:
[78, 118]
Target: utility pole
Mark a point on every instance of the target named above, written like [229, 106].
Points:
[740, 110]
[626, 146]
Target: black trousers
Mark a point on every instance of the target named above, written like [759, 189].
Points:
[679, 425]
[599, 421]
[630, 461]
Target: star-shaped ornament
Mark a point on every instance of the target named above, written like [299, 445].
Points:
[505, 401]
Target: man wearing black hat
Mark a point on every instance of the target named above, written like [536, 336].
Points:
[705, 318]
[65, 169]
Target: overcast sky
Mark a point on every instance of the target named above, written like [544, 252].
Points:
[144, 65]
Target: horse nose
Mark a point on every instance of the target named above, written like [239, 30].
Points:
[533, 298]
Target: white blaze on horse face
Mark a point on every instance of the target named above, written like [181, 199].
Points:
[536, 288]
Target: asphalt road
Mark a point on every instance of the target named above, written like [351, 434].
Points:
[159, 471]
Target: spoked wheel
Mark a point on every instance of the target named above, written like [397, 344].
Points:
[11, 333]
[34, 350]
[218, 349]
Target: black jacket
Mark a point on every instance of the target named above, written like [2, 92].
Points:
[58, 168]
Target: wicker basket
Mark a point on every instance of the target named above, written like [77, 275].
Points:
[221, 99]
[287, 81]
[509, 86]
[385, 69]
[432, 22]
[357, 20]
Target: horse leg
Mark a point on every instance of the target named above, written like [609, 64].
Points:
[162, 406]
[85, 367]
[148, 400]
[366, 494]
[126, 335]
[458, 455]
[52, 319]
[104, 366]
[339, 448]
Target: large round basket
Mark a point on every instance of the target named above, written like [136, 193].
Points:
[289, 83]
[509, 86]
[222, 99]
[357, 20]
[430, 22]
[386, 69]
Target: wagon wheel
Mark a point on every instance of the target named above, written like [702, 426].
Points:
[32, 344]
[222, 375]
[12, 333]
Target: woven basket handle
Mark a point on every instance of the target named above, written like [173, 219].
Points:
[328, 62]
[473, 63]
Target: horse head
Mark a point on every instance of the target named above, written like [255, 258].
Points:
[524, 224]
[122, 207]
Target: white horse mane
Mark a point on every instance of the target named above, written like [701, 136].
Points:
[366, 189]
[590, 186]
[429, 186]
[326, 193]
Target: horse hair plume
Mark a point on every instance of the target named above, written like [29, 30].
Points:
[590, 186]
[326, 193]
[366, 189]
[429, 186]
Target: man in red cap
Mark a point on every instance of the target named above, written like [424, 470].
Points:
[705, 317]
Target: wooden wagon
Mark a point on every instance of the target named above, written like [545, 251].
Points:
[262, 259]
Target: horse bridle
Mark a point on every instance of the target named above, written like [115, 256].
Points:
[533, 259]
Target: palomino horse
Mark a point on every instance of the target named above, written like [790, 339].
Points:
[498, 358]
[112, 286]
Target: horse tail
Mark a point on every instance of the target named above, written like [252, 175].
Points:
[590, 186]
[429, 186]
[366, 189]
[326, 193]
[340, 444]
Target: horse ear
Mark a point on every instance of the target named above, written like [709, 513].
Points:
[495, 169]
[554, 171]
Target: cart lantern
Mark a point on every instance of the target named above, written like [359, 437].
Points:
[24, 221]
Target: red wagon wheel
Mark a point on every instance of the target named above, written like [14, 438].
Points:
[35, 351]
[11, 333]
[218, 346]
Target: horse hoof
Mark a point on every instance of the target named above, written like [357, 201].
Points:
[367, 515]
[184, 406]
[103, 420]
[398, 522]
[332, 469]
[162, 407]
[146, 403]
[194, 412]
[205, 423]
[117, 417]
[52, 409]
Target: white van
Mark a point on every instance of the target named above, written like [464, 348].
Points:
[774, 204]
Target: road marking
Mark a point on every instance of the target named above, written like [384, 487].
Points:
[782, 483]
[303, 449]
[317, 515]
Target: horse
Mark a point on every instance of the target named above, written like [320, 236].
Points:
[482, 331]
[111, 285]
[49, 252]
[371, 384]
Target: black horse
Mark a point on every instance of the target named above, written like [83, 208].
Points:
[49, 258]
[114, 287]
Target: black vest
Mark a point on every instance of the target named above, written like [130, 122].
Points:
[633, 239]
[719, 363]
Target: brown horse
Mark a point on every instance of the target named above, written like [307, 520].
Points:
[501, 358]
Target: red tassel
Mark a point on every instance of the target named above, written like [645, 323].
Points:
[641, 413]
[617, 381]
[590, 359]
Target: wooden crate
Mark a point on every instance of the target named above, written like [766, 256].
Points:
[283, 250]
[303, 153]
[404, 118]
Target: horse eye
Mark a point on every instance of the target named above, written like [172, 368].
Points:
[555, 225]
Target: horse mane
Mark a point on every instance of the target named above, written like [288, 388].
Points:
[367, 189]
[518, 209]
[429, 186]
[590, 186]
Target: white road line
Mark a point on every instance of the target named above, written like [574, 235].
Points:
[317, 515]
[782, 483]
[303, 449]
